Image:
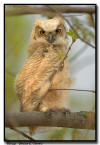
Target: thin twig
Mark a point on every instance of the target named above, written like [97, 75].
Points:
[62, 61]
[92, 91]
[22, 133]
[85, 41]
[68, 50]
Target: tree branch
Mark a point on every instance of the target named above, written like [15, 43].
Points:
[80, 120]
[41, 10]
[91, 91]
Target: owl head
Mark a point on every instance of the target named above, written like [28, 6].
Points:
[50, 31]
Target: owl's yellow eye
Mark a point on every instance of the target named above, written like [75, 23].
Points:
[42, 32]
[58, 30]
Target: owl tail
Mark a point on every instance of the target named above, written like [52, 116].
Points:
[32, 130]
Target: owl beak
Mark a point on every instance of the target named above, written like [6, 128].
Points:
[51, 38]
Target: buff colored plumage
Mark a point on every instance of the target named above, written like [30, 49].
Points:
[38, 75]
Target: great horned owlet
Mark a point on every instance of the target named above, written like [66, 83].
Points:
[37, 78]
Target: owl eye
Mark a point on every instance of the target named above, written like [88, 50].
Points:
[58, 30]
[42, 32]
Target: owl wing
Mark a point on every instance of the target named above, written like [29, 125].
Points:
[35, 79]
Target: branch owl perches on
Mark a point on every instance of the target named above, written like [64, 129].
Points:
[40, 71]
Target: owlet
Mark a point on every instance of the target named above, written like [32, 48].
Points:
[40, 74]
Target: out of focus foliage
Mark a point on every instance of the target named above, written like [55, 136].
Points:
[83, 29]
[17, 36]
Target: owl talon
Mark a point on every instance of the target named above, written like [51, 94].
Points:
[53, 110]
[63, 110]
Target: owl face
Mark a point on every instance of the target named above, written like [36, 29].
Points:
[51, 31]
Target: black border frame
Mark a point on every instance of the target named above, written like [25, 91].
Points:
[96, 83]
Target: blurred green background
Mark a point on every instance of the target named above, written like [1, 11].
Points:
[82, 62]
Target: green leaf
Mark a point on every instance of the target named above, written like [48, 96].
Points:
[62, 54]
[72, 34]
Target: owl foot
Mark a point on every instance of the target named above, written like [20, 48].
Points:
[55, 111]
[63, 110]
